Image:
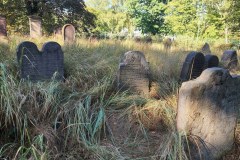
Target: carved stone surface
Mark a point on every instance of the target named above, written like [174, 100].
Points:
[134, 73]
[193, 66]
[206, 49]
[3, 27]
[230, 59]
[35, 26]
[211, 61]
[40, 65]
[207, 110]
[68, 32]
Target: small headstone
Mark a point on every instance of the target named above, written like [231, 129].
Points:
[40, 65]
[68, 32]
[206, 49]
[58, 32]
[35, 26]
[230, 59]
[134, 73]
[211, 61]
[3, 27]
[193, 66]
[208, 109]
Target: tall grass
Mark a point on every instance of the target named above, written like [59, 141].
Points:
[86, 117]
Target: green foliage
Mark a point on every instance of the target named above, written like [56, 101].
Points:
[148, 15]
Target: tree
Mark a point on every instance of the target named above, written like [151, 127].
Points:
[148, 15]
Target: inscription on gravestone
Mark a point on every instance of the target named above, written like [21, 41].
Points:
[208, 109]
[35, 26]
[134, 73]
[230, 59]
[40, 65]
[3, 28]
[211, 61]
[68, 32]
[193, 66]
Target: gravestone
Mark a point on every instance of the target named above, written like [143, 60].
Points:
[40, 65]
[206, 49]
[3, 27]
[211, 61]
[35, 26]
[58, 32]
[134, 73]
[207, 110]
[230, 59]
[193, 66]
[68, 32]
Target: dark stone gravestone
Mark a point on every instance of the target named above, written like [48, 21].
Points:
[206, 49]
[40, 65]
[193, 66]
[134, 73]
[68, 32]
[230, 59]
[35, 26]
[3, 27]
[211, 61]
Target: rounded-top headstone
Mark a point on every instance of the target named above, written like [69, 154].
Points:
[230, 59]
[192, 66]
[134, 73]
[68, 32]
[211, 61]
[3, 26]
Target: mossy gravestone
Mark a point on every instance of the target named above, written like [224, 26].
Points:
[193, 66]
[208, 110]
[35, 26]
[134, 73]
[40, 65]
[68, 32]
[230, 59]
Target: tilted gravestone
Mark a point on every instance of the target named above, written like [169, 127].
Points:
[134, 73]
[40, 65]
[208, 109]
[206, 49]
[211, 61]
[193, 66]
[68, 32]
[35, 26]
[230, 59]
[3, 27]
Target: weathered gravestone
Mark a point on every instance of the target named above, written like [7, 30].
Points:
[58, 32]
[35, 26]
[68, 32]
[134, 73]
[208, 110]
[3, 27]
[230, 59]
[40, 65]
[211, 61]
[206, 49]
[193, 66]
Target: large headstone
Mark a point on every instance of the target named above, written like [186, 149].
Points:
[207, 110]
[134, 73]
[40, 65]
[206, 49]
[3, 27]
[193, 66]
[230, 59]
[211, 61]
[35, 23]
[68, 32]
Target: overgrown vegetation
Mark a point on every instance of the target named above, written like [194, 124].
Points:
[86, 117]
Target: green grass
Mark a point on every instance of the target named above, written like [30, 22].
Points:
[86, 117]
